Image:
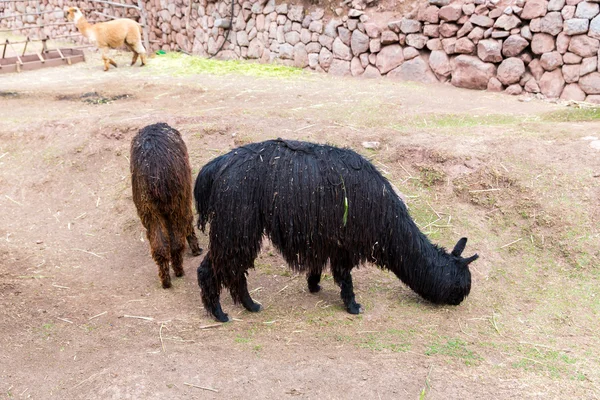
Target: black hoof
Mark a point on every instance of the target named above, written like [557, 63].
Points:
[219, 315]
[222, 317]
[314, 288]
[355, 308]
[166, 285]
[254, 307]
[179, 274]
[196, 252]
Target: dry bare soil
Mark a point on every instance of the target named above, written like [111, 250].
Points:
[83, 316]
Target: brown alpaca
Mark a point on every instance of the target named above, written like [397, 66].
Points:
[110, 35]
[161, 181]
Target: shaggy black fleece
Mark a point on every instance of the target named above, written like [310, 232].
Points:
[315, 203]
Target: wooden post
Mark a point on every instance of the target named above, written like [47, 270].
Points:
[144, 20]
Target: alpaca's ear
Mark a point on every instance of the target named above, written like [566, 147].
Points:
[460, 247]
[469, 260]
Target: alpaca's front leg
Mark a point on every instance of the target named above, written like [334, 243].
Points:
[107, 60]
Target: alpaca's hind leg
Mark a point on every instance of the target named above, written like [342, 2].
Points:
[242, 295]
[177, 246]
[139, 48]
[193, 242]
[134, 58]
[160, 252]
[313, 278]
[341, 268]
[210, 290]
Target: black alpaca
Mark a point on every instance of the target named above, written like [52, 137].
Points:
[316, 203]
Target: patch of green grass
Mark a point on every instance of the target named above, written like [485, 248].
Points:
[580, 377]
[431, 176]
[573, 115]
[461, 121]
[456, 348]
[424, 216]
[377, 343]
[51, 156]
[323, 316]
[394, 340]
[343, 338]
[46, 329]
[89, 328]
[179, 64]
[553, 362]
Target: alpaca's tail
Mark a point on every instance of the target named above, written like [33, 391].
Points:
[203, 189]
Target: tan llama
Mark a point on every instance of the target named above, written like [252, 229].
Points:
[110, 35]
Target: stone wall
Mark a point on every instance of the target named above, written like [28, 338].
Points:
[537, 46]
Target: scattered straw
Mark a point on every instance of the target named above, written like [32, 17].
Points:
[495, 324]
[484, 190]
[65, 320]
[97, 315]
[305, 127]
[427, 386]
[138, 317]
[162, 344]
[282, 289]
[88, 379]
[429, 224]
[89, 252]
[60, 287]
[545, 346]
[201, 387]
[13, 200]
[210, 326]
[525, 358]
[405, 170]
[433, 209]
[511, 243]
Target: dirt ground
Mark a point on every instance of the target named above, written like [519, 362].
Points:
[83, 315]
